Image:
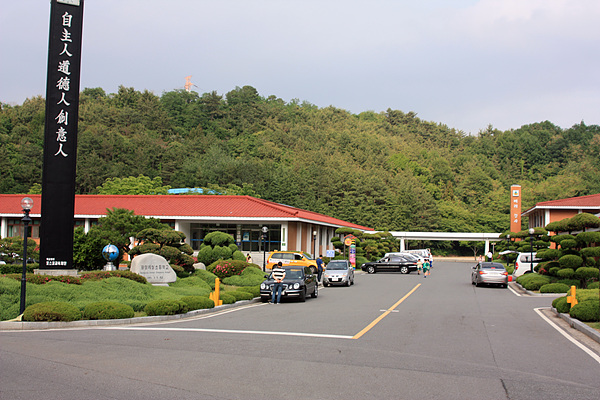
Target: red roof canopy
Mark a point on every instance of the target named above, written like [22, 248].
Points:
[178, 207]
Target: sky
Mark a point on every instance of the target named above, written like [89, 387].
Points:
[467, 64]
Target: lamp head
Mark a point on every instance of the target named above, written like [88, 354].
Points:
[531, 231]
[264, 229]
[27, 203]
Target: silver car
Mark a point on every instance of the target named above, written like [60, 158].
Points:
[489, 273]
[338, 272]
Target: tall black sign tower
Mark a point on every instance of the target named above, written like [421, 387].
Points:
[60, 134]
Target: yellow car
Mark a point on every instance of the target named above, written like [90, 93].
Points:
[291, 259]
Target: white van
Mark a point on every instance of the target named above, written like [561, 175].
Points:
[523, 263]
[424, 253]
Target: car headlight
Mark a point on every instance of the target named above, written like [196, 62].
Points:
[263, 285]
[296, 285]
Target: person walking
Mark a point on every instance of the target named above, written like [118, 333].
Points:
[426, 266]
[278, 276]
[419, 266]
[249, 258]
[319, 268]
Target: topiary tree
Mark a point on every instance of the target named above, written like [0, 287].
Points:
[570, 261]
[168, 243]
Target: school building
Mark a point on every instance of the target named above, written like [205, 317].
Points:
[257, 225]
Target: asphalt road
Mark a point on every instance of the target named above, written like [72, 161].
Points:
[445, 340]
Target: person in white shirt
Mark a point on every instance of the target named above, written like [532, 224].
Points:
[278, 276]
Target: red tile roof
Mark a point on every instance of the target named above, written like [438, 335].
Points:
[179, 207]
[589, 201]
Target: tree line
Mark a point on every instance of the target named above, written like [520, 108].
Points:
[388, 170]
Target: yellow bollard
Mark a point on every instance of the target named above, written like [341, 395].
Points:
[215, 296]
[572, 299]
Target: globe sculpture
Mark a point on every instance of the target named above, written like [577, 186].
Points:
[110, 253]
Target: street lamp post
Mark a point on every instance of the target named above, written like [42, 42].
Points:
[314, 246]
[264, 230]
[531, 232]
[26, 205]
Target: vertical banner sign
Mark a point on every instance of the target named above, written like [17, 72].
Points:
[353, 255]
[60, 134]
[515, 208]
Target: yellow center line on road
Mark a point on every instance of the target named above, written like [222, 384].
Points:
[382, 316]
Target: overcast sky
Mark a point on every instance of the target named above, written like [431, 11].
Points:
[463, 63]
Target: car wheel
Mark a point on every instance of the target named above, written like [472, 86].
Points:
[315, 293]
[477, 284]
[370, 269]
[264, 299]
[404, 269]
[303, 295]
[325, 284]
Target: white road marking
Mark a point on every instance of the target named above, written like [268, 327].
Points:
[317, 335]
[514, 291]
[562, 332]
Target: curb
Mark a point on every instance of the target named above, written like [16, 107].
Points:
[25, 326]
[533, 294]
[580, 326]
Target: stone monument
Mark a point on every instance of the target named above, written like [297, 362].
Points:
[154, 268]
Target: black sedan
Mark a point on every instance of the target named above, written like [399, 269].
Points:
[391, 263]
[298, 282]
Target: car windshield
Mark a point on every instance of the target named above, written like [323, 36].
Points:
[294, 273]
[337, 266]
[307, 256]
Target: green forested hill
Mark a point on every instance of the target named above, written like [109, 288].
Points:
[384, 170]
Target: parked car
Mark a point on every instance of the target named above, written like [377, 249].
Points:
[391, 263]
[298, 282]
[292, 259]
[410, 256]
[523, 264]
[489, 273]
[424, 253]
[338, 272]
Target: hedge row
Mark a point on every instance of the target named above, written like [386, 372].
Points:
[587, 309]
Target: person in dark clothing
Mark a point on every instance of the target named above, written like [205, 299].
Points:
[319, 268]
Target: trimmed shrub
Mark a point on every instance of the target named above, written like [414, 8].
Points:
[98, 275]
[6, 269]
[198, 302]
[250, 276]
[570, 261]
[593, 285]
[570, 282]
[192, 281]
[554, 288]
[549, 254]
[586, 311]
[253, 290]
[533, 281]
[588, 237]
[561, 305]
[585, 273]
[553, 271]
[179, 271]
[227, 298]
[107, 310]
[206, 276]
[568, 243]
[240, 295]
[52, 311]
[166, 307]
[566, 273]
[591, 251]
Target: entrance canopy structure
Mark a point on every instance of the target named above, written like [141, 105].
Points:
[451, 236]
